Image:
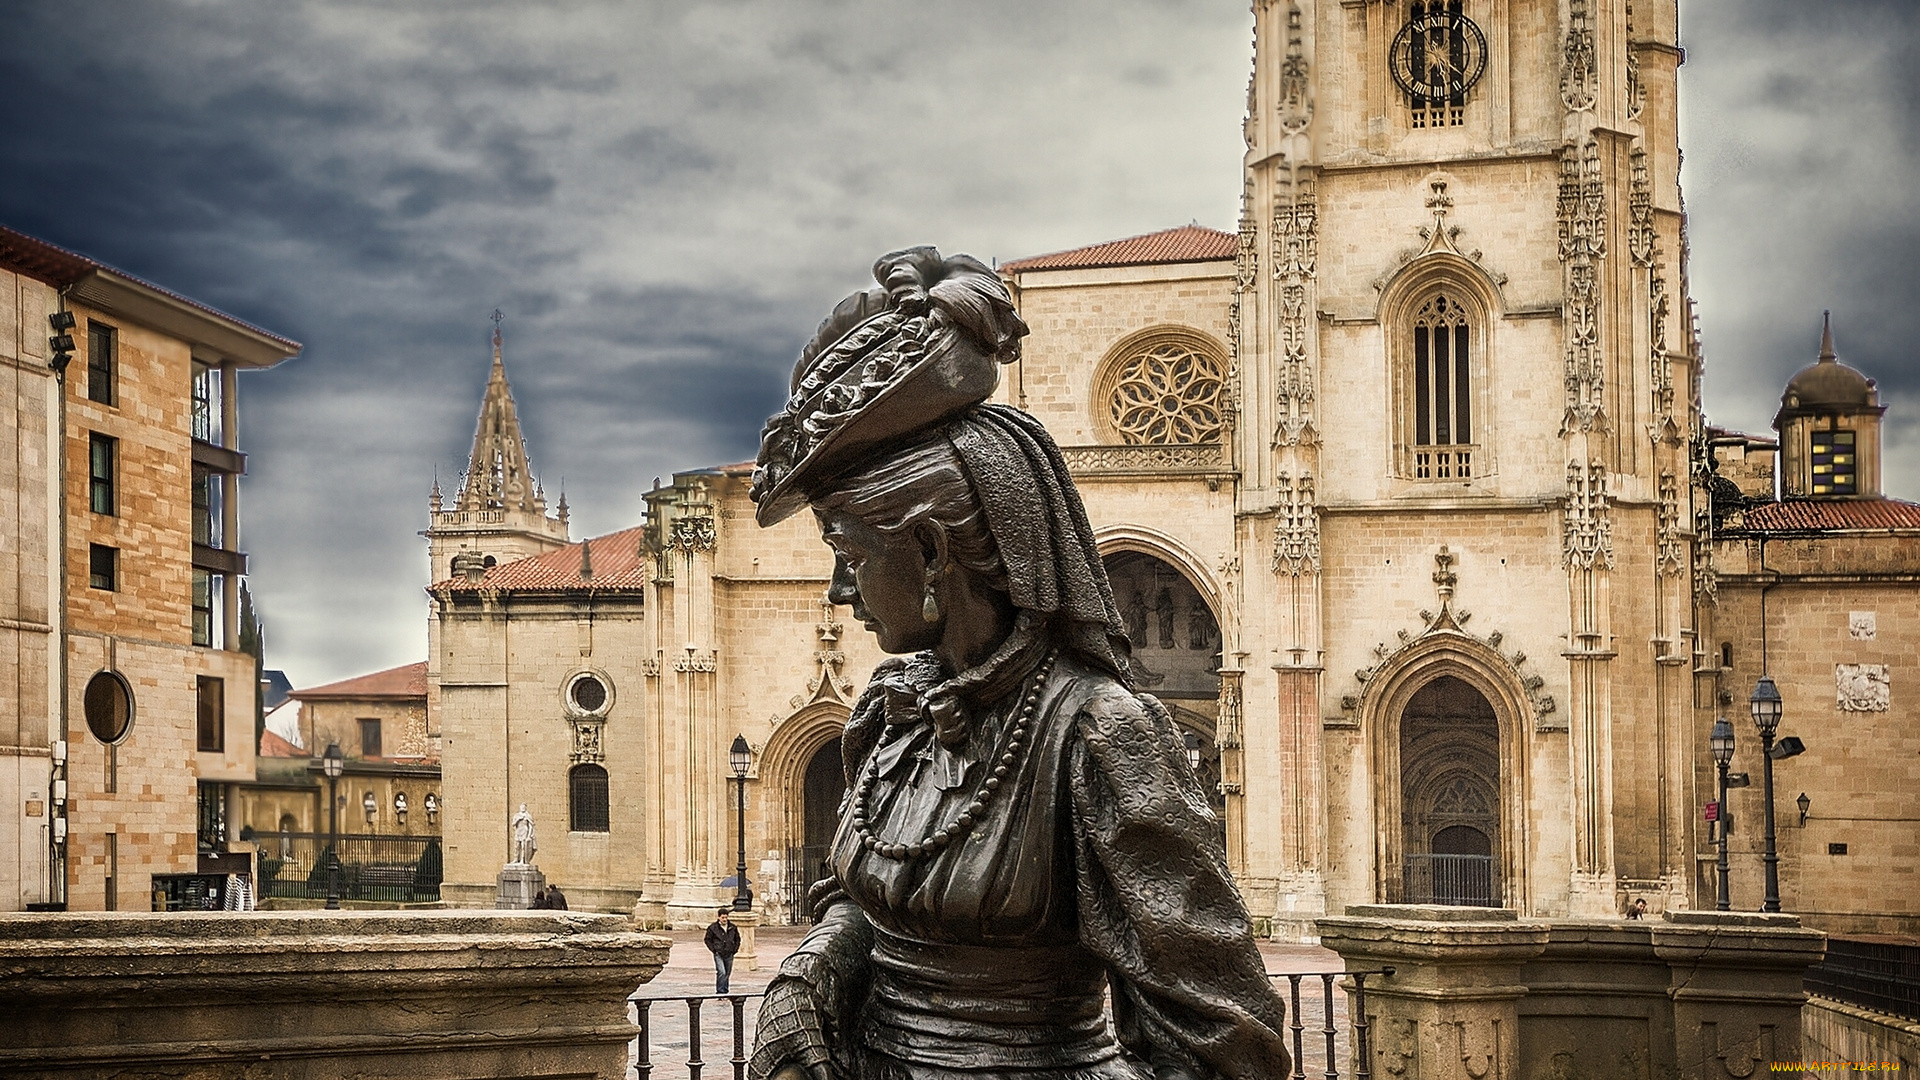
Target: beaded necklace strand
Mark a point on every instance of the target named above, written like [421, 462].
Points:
[975, 810]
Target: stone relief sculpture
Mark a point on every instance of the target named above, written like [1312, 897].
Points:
[1863, 687]
[523, 842]
[1023, 834]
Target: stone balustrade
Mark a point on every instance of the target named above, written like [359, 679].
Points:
[410, 995]
[1479, 994]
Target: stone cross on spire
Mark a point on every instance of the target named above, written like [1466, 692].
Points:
[498, 477]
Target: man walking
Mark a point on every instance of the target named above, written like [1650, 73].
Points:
[723, 940]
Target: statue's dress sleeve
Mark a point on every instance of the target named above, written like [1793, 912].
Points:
[1156, 902]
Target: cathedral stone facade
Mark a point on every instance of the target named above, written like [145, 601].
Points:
[1404, 489]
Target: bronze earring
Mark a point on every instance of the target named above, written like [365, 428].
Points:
[930, 608]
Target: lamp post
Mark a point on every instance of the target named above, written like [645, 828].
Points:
[1722, 743]
[740, 756]
[1765, 706]
[333, 764]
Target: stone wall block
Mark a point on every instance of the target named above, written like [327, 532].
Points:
[411, 995]
[1480, 993]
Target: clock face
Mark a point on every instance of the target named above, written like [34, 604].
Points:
[1438, 56]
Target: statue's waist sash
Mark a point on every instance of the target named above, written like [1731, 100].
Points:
[968, 1006]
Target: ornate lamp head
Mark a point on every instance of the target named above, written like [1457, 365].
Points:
[1765, 706]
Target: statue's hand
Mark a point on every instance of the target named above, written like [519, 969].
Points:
[791, 1040]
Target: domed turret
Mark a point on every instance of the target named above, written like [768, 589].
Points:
[1829, 425]
[1827, 384]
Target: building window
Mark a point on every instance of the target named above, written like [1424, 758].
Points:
[1164, 390]
[587, 694]
[102, 343]
[102, 450]
[1835, 468]
[587, 795]
[207, 496]
[108, 706]
[1436, 58]
[213, 713]
[212, 828]
[103, 567]
[1442, 392]
[206, 403]
[369, 737]
[207, 593]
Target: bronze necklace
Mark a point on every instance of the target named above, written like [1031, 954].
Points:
[975, 809]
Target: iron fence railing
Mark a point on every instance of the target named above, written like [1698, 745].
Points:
[381, 869]
[1879, 975]
[661, 1028]
[1458, 880]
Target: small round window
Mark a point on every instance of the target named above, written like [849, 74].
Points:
[109, 707]
[588, 694]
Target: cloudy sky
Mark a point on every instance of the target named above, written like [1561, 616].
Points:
[664, 198]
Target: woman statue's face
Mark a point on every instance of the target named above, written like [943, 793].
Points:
[883, 577]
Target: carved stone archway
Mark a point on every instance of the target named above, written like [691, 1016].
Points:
[1446, 652]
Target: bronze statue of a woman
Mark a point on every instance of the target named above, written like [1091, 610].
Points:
[1022, 832]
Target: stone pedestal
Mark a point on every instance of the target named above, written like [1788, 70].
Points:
[748, 958]
[307, 995]
[1478, 994]
[518, 884]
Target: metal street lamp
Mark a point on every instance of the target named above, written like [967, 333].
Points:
[1766, 709]
[1722, 743]
[741, 758]
[333, 763]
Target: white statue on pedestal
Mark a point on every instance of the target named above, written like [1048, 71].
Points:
[523, 845]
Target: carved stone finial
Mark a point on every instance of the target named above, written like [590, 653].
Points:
[1444, 578]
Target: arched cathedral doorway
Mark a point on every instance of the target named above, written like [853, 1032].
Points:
[823, 785]
[1450, 796]
[1175, 636]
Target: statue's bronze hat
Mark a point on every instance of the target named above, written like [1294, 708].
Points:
[889, 362]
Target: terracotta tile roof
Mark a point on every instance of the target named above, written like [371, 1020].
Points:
[272, 745]
[616, 565]
[1188, 243]
[406, 681]
[1831, 515]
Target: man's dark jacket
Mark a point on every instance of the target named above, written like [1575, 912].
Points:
[723, 940]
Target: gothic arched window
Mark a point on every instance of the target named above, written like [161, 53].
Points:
[1442, 400]
[587, 798]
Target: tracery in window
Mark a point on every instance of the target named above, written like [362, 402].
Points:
[1442, 391]
[1167, 393]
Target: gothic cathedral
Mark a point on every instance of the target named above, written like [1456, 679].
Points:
[1403, 490]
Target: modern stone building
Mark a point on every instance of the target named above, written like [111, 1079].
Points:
[121, 580]
[1404, 489]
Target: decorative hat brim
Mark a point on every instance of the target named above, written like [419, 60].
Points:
[952, 375]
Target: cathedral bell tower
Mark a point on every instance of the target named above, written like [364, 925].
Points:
[1463, 366]
[500, 512]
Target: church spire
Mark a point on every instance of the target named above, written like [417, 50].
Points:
[497, 473]
[1827, 355]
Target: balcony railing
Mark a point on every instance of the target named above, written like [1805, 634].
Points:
[1443, 462]
[1457, 880]
[380, 869]
[664, 1034]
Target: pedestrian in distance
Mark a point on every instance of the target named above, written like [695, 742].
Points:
[556, 900]
[1638, 909]
[723, 940]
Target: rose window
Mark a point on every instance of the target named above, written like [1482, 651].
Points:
[1168, 394]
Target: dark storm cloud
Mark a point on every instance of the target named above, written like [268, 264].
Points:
[664, 198]
[1802, 140]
